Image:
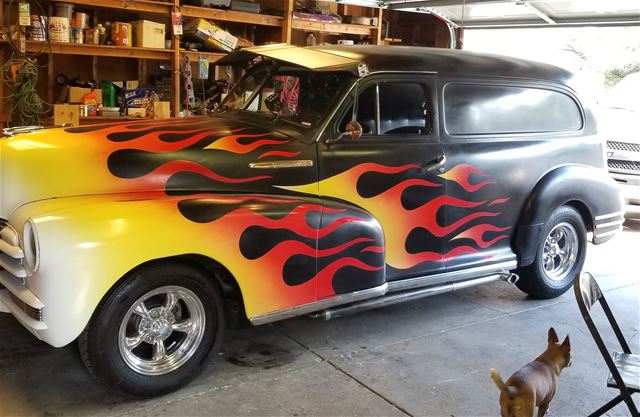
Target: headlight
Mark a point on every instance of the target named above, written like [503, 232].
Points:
[30, 245]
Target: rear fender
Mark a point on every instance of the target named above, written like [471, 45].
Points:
[590, 190]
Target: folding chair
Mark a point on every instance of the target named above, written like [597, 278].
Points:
[624, 366]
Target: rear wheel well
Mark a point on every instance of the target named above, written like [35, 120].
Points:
[584, 212]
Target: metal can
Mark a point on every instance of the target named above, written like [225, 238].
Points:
[77, 35]
[91, 36]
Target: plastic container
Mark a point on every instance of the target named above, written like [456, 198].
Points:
[91, 101]
[311, 39]
[108, 94]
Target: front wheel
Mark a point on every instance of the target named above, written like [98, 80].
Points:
[153, 332]
[560, 255]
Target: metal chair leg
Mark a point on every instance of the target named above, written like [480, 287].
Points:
[608, 406]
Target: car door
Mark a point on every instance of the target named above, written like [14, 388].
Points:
[500, 137]
[391, 171]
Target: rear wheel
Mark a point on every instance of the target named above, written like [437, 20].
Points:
[153, 332]
[560, 254]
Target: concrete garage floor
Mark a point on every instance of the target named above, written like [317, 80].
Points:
[427, 358]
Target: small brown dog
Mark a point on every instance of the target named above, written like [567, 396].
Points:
[534, 385]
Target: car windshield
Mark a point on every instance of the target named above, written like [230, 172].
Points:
[288, 93]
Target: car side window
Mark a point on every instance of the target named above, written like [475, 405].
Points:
[472, 109]
[392, 108]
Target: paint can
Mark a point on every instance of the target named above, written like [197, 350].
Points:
[59, 29]
[38, 29]
[80, 20]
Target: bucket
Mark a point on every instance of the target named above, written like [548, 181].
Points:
[38, 29]
[59, 29]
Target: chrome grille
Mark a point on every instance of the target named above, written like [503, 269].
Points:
[11, 254]
[623, 146]
[623, 165]
[34, 313]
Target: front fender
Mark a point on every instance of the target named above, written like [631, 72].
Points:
[87, 244]
[589, 189]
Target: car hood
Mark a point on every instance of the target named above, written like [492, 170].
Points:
[164, 155]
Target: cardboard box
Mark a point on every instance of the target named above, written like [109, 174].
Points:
[77, 93]
[213, 37]
[66, 114]
[148, 34]
[161, 110]
[137, 112]
[127, 85]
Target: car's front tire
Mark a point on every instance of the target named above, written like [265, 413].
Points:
[153, 332]
[560, 255]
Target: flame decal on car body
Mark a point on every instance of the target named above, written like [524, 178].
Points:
[398, 222]
[305, 250]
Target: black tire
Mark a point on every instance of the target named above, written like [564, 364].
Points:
[541, 282]
[143, 371]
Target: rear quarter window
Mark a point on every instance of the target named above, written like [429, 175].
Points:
[471, 109]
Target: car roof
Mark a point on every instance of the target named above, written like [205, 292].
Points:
[378, 58]
[446, 61]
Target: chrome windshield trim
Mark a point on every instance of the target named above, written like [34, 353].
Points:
[320, 305]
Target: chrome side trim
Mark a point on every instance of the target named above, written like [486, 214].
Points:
[300, 163]
[319, 305]
[12, 266]
[609, 224]
[429, 280]
[410, 295]
[12, 131]
[19, 290]
[606, 216]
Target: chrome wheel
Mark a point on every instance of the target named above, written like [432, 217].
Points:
[560, 251]
[162, 330]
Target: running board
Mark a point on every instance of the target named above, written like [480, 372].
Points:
[410, 295]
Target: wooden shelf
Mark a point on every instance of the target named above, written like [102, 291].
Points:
[232, 16]
[339, 28]
[98, 50]
[146, 6]
[194, 55]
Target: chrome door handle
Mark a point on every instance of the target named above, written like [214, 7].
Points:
[299, 163]
[438, 164]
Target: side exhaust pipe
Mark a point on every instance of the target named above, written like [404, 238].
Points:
[411, 295]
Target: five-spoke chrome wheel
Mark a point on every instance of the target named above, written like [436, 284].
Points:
[560, 251]
[162, 330]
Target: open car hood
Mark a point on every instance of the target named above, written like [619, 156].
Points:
[303, 57]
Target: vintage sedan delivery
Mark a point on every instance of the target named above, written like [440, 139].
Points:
[330, 180]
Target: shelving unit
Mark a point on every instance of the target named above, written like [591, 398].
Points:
[271, 28]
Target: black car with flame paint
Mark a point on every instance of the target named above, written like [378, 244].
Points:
[330, 180]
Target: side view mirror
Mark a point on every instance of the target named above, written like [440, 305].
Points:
[353, 130]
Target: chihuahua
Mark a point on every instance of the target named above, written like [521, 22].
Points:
[534, 385]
